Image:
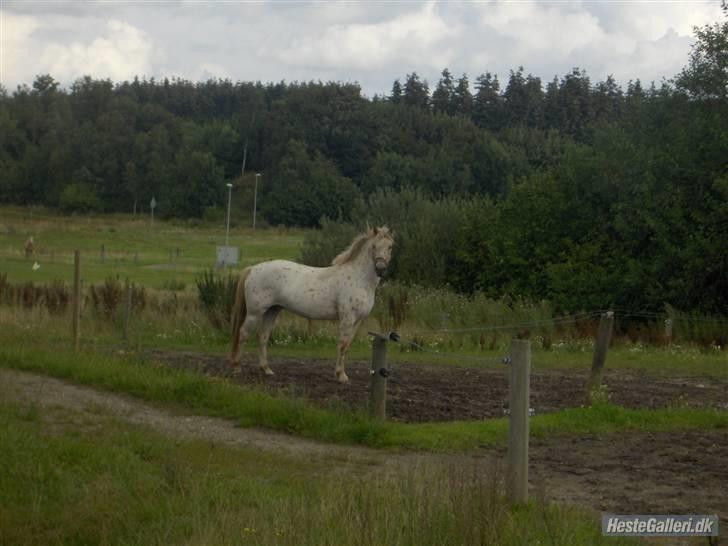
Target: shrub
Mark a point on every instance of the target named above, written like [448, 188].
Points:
[79, 198]
[56, 296]
[108, 296]
[217, 295]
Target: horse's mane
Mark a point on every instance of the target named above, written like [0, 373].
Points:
[358, 244]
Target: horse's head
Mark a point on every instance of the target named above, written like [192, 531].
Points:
[381, 248]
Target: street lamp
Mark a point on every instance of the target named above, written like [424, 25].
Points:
[227, 228]
[255, 198]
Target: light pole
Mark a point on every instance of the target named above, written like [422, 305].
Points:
[227, 227]
[255, 198]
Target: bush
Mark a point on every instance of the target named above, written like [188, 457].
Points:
[217, 295]
[424, 252]
[108, 296]
[79, 198]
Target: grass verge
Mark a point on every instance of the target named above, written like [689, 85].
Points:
[218, 397]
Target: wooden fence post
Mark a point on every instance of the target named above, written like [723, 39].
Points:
[378, 381]
[604, 338]
[518, 429]
[127, 314]
[76, 298]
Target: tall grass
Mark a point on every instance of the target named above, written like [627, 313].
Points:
[73, 478]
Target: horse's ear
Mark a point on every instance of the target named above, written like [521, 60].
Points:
[376, 231]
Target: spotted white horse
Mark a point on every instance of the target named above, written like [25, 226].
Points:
[344, 292]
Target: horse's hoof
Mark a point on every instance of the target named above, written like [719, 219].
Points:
[267, 370]
[236, 369]
[342, 378]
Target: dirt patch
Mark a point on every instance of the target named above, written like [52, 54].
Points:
[420, 392]
[649, 473]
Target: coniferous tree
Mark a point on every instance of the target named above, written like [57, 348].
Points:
[442, 96]
[487, 103]
[416, 92]
[396, 96]
[462, 99]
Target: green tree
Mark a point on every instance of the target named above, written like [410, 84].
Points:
[442, 96]
[462, 98]
[79, 197]
[487, 103]
[305, 188]
[416, 92]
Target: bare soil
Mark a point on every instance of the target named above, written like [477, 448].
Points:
[419, 392]
[655, 473]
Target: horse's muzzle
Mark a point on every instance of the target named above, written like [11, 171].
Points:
[380, 266]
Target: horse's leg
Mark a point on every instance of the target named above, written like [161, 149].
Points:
[249, 325]
[347, 331]
[269, 319]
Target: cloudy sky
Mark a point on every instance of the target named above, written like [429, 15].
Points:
[369, 42]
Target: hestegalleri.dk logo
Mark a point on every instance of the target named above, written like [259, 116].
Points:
[660, 525]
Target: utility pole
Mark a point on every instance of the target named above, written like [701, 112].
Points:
[255, 198]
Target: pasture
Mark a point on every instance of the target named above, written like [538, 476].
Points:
[154, 255]
[658, 430]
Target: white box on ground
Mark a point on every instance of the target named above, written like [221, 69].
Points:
[227, 255]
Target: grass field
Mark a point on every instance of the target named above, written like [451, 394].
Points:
[87, 477]
[134, 248]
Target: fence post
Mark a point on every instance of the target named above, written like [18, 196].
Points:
[378, 374]
[604, 337]
[518, 429]
[76, 298]
[127, 314]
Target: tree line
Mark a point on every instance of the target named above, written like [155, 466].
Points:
[583, 193]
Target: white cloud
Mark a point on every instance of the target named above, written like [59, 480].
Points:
[371, 45]
[15, 63]
[121, 53]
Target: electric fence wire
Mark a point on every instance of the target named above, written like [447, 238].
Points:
[557, 320]
[618, 312]
[627, 313]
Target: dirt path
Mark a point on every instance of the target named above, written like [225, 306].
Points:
[51, 393]
[665, 473]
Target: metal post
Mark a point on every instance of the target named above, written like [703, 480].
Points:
[255, 198]
[518, 427]
[604, 337]
[76, 298]
[227, 226]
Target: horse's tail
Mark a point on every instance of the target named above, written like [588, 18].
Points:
[238, 314]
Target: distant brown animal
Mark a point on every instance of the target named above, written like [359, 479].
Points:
[29, 247]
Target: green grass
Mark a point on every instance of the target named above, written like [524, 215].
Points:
[74, 477]
[214, 396]
[57, 236]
